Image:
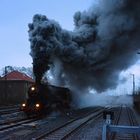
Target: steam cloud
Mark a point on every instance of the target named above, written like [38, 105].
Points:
[104, 42]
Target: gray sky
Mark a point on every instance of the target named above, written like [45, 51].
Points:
[15, 16]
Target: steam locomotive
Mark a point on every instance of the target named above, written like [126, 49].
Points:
[44, 98]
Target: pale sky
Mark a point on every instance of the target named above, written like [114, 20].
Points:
[15, 16]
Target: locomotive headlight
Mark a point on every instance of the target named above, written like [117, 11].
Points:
[23, 105]
[37, 105]
[32, 88]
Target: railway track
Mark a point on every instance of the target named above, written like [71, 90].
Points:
[9, 110]
[8, 107]
[15, 123]
[8, 129]
[125, 117]
[69, 128]
[26, 130]
[11, 117]
[133, 122]
[115, 122]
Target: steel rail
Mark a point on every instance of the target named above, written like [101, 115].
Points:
[132, 121]
[116, 121]
[82, 125]
[64, 125]
[8, 125]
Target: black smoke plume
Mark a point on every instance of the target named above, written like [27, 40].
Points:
[104, 42]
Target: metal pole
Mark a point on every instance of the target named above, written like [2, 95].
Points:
[5, 97]
[133, 84]
[5, 94]
[104, 132]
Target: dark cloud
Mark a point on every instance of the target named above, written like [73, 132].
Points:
[104, 42]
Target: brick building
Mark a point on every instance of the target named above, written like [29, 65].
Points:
[14, 87]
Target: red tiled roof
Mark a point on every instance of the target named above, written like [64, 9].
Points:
[16, 75]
